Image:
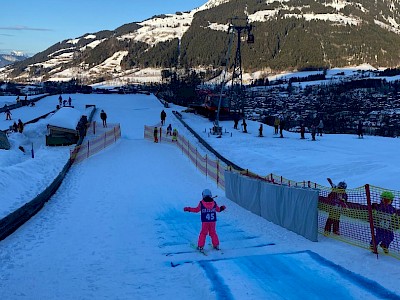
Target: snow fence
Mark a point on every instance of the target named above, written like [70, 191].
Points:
[97, 138]
[295, 209]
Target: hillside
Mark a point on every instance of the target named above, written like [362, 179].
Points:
[289, 35]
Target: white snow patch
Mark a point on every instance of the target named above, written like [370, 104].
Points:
[73, 41]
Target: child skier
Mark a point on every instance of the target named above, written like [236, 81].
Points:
[208, 208]
[169, 130]
[337, 201]
[383, 213]
[175, 135]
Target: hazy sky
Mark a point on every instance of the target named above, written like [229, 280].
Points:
[33, 26]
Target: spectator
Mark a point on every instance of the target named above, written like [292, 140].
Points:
[85, 121]
[302, 131]
[20, 126]
[260, 131]
[15, 127]
[313, 132]
[8, 114]
[103, 117]
[82, 126]
[244, 126]
[281, 127]
[208, 208]
[320, 127]
[236, 121]
[81, 129]
[276, 125]
[360, 129]
[169, 130]
[163, 116]
[382, 215]
[155, 134]
[337, 199]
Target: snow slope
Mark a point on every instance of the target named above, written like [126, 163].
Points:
[116, 227]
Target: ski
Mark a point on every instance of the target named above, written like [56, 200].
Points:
[220, 250]
[200, 251]
[180, 252]
[246, 247]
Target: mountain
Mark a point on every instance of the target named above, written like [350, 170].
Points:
[14, 56]
[289, 35]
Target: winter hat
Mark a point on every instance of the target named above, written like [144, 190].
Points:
[206, 193]
[387, 195]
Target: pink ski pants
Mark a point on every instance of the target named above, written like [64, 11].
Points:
[208, 228]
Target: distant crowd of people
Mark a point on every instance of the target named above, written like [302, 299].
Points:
[64, 102]
[279, 125]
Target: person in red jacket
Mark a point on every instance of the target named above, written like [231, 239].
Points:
[208, 208]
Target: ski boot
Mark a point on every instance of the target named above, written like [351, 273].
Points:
[385, 249]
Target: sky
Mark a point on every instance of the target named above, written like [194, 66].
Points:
[116, 226]
[32, 28]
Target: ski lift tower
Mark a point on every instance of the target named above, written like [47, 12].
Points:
[237, 25]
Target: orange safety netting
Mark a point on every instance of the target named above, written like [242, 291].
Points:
[97, 138]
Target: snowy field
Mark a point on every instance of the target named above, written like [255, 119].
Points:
[116, 229]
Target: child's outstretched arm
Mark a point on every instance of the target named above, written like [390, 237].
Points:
[192, 209]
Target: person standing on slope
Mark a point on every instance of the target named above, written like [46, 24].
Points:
[208, 208]
[276, 125]
[320, 127]
[163, 115]
[103, 117]
[360, 129]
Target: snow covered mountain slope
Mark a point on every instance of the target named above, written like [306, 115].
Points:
[289, 35]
